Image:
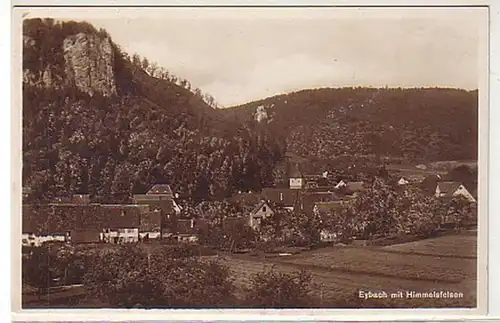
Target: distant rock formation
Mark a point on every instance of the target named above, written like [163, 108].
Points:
[89, 63]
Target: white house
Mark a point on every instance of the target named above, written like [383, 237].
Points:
[340, 184]
[453, 189]
[33, 240]
[403, 181]
[261, 211]
[296, 179]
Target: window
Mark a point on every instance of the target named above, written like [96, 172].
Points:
[264, 209]
[281, 196]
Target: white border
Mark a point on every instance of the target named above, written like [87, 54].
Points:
[119, 315]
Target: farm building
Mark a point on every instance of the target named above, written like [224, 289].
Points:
[452, 189]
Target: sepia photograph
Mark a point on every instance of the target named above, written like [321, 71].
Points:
[252, 158]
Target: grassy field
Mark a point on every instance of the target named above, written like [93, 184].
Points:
[442, 264]
[446, 263]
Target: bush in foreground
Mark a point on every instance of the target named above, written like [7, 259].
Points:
[133, 277]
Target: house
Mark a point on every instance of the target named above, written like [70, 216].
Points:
[452, 189]
[185, 230]
[309, 199]
[245, 198]
[340, 184]
[123, 223]
[326, 210]
[86, 236]
[295, 177]
[349, 188]
[403, 181]
[261, 211]
[285, 197]
[161, 196]
[429, 184]
[150, 223]
[80, 199]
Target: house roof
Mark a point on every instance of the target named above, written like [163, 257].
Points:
[448, 187]
[295, 171]
[243, 198]
[285, 196]
[258, 206]
[85, 235]
[234, 222]
[308, 200]
[354, 186]
[326, 207]
[80, 198]
[321, 189]
[122, 216]
[160, 189]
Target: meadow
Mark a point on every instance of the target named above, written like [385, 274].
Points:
[446, 263]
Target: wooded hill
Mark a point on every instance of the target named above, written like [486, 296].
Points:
[416, 125]
[151, 130]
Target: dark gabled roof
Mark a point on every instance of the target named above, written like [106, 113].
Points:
[122, 216]
[321, 189]
[234, 222]
[448, 187]
[309, 199]
[284, 196]
[245, 198]
[85, 236]
[326, 207]
[160, 189]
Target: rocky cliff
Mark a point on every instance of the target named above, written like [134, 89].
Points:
[87, 63]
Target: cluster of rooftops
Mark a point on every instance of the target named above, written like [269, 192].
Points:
[158, 210]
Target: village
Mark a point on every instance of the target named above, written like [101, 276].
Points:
[160, 214]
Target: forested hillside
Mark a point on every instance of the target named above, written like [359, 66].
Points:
[411, 124]
[98, 120]
[129, 130]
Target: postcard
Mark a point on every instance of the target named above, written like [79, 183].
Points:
[294, 160]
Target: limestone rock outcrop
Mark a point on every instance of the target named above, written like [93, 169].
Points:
[89, 64]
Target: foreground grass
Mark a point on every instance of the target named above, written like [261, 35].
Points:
[446, 263]
[339, 273]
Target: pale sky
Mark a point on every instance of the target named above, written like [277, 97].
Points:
[241, 55]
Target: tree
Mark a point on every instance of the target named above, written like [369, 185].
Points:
[39, 270]
[279, 290]
[136, 277]
[152, 69]
[136, 60]
[145, 64]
